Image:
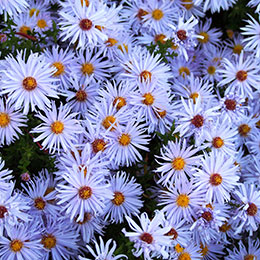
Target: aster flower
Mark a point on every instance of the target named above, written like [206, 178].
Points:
[251, 30]
[190, 252]
[10, 123]
[127, 198]
[5, 177]
[59, 128]
[184, 34]
[150, 238]
[251, 252]
[82, 96]
[144, 66]
[247, 216]
[195, 119]
[253, 144]
[21, 242]
[13, 7]
[215, 6]
[149, 101]
[61, 60]
[210, 217]
[13, 207]
[103, 251]
[159, 15]
[211, 36]
[91, 65]
[43, 22]
[91, 224]
[181, 201]
[241, 76]
[222, 138]
[59, 239]
[212, 251]
[124, 142]
[80, 24]
[28, 83]
[83, 193]
[179, 161]
[40, 200]
[218, 177]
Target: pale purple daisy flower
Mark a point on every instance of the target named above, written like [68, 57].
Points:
[10, 122]
[217, 177]
[59, 128]
[149, 239]
[181, 200]
[28, 83]
[179, 161]
[127, 198]
[83, 192]
[103, 251]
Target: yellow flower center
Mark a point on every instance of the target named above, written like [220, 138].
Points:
[49, 241]
[39, 203]
[237, 49]
[205, 39]
[241, 75]
[157, 14]
[173, 233]
[41, 23]
[120, 101]
[148, 99]
[188, 4]
[194, 96]
[250, 257]
[119, 198]
[178, 248]
[230, 33]
[244, 129]
[16, 245]
[81, 95]
[160, 114]
[178, 164]
[24, 29]
[111, 42]
[184, 256]
[60, 68]
[184, 71]
[204, 249]
[225, 227]
[215, 179]
[108, 121]
[57, 127]
[124, 139]
[87, 68]
[183, 201]
[211, 70]
[4, 119]
[123, 47]
[98, 145]
[29, 83]
[85, 192]
[217, 142]
[160, 38]
[32, 12]
[145, 76]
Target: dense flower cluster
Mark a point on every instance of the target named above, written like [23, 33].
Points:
[100, 98]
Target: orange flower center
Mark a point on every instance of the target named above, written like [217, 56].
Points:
[49, 241]
[230, 104]
[39, 203]
[197, 121]
[108, 121]
[60, 68]
[81, 95]
[146, 237]
[181, 34]
[119, 198]
[215, 179]
[241, 75]
[145, 76]
[4, 120]
[252, 209]
[124, 139]
[148, 99]
[98, 145]
[183, 201]
[57, 127]
[16, 245]
[244, 129]
[120, 101]
[3, 210]
[217, 142]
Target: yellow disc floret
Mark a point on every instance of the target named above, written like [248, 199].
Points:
[183, 200]
[4, 120]
[57, 127]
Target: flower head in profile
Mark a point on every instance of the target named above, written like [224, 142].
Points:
[103, 251]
